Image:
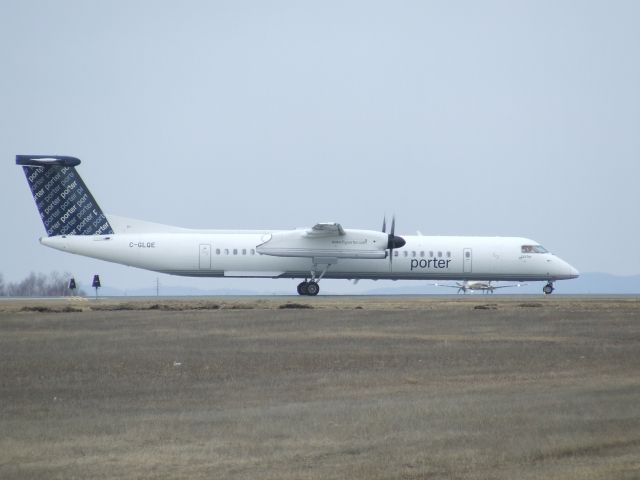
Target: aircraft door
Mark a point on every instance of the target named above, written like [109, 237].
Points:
[205, 256]
[467, 260]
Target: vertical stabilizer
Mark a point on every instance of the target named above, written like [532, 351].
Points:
[63, 200]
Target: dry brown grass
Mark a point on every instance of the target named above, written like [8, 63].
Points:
[405, 388]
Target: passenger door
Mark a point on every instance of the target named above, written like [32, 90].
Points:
[467, 260]
[205, 256]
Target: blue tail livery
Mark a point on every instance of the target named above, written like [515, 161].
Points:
[65, 203]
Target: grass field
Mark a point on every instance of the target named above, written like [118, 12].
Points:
[359, 387]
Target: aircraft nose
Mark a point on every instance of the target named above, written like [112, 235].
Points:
[564, 270]
[573, 272]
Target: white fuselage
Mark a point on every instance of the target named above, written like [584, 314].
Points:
[235, 254]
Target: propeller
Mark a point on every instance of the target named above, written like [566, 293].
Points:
[393, 240]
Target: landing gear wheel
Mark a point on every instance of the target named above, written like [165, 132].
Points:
[548, 289]
[302, 288]
[313, 288]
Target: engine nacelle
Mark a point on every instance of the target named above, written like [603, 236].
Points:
[303, 243]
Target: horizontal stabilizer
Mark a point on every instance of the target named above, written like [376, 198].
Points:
[44, 160]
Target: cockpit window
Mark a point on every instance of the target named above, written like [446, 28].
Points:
[534, 249]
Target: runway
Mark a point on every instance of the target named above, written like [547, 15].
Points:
[466, 387]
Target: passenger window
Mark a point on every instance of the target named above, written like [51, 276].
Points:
[253, 252]
[431, 253]
[226, 251]
[235, 251]
[422, 253]
[244, 251]
[448, 254]
[406, 254]
[439, 254]
[413, 253]
[395, 254]
[217, 251]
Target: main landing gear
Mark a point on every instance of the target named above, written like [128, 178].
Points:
[308, 288]
[548, 288]
[311, 287]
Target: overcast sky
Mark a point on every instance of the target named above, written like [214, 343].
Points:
[468, 117]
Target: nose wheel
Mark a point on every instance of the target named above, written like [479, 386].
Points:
[308, 288]
[548, 288]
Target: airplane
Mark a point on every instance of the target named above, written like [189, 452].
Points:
[75, 223]
[485, 287]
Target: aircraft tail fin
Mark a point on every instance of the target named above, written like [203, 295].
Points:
[65, 203]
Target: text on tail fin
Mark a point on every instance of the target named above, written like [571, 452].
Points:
[65, 203]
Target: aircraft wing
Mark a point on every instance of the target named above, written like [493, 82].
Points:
[507, 286]
[442, 285]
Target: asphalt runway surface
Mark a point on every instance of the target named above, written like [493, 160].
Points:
[475, 387]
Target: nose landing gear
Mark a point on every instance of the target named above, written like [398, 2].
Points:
[548, 288]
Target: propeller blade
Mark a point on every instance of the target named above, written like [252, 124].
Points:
[393, 241]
